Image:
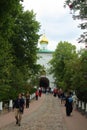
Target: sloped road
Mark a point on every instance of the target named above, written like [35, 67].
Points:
[47, 115]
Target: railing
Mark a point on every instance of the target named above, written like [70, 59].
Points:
[81, 107]
[8, 105]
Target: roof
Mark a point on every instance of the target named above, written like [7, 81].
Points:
[43, 39]
[45, 51]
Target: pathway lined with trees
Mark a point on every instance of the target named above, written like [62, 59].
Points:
[45, 114]
[18, 53]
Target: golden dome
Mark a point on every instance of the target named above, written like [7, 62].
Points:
[44, 39]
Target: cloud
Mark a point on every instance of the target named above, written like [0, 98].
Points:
[55, 20]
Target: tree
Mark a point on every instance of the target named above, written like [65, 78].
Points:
[24, 50]
[80, 76]
[25, 38]
[63, 55]
[70, 69]
[79, 11]
[18, 46]
[8, 12]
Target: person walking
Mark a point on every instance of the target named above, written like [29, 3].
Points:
[18, 107]
[55, 92]
[69, 104]
[27, 100]
[63, 97]
[40, 92]
[36, 94]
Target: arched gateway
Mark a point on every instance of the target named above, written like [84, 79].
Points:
[45, 56]
[44, 83]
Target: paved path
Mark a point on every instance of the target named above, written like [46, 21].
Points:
[45, 114]
[75, 122]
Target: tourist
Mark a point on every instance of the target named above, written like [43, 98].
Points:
[69, 104]
[36, 94]
[18, 107]
[40, 92]
[27, 100]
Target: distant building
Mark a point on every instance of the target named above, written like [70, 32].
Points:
[45, 56]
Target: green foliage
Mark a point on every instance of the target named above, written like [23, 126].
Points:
[79, 80]
[63, 55]
[80, 76]
[18, 48]
[70, 69]
[4, 92]
[33, 90]
[24, 39]
[81, 7]
[8, 12]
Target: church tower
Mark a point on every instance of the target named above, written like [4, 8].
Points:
[45, 56]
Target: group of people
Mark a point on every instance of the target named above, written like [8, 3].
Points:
[68, 99]
[38, 93]
[21, 102]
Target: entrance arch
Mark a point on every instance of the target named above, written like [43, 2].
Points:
[44, 82]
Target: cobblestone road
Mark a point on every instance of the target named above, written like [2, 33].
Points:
[47, 117]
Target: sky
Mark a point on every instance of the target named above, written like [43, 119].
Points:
[56, 22]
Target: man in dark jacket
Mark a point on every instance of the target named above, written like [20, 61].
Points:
[19, 108]
[69, 104]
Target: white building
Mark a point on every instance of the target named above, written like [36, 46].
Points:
[45, 56]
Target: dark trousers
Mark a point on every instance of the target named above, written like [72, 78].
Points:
[27, 103]
[36, 97]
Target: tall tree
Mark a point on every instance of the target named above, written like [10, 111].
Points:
[24, 42]
[80, 75]
[18, 42]
[63, 55]
[8, 12]
[25, 38]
